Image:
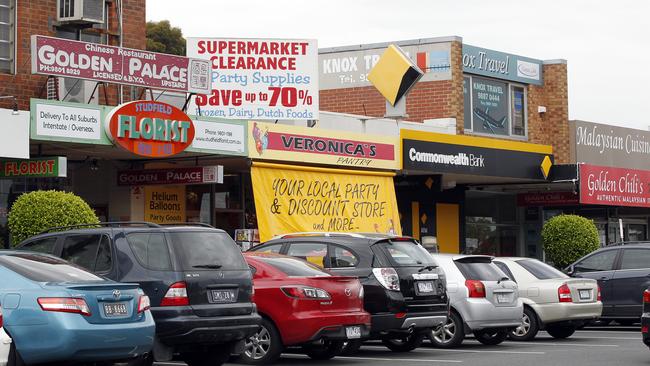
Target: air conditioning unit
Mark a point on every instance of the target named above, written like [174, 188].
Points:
[77, 90]
[80, 11]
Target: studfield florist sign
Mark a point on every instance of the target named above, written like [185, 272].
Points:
[258, 78]
[610, 186]
[110, 64]
[189, 175]
[149, 128]
[269, 141]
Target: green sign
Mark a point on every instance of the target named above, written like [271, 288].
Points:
[34, 168]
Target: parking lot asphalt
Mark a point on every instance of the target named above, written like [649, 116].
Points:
[592, 346]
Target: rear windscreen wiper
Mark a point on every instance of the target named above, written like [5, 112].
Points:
[428, 268]
[210, 266]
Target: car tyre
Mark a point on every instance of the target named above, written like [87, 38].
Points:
[406, 344]
[215, 357]
[141, 361]
[351, 347]
[324, 351]
[263, 347]
[449, 335]
[491, 337]
[560, 331]
[528, 328]
[14, 358]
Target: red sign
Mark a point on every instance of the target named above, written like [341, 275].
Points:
[103, 63]
[614, 186]
[149, 128]
[329, 146]
[547, 199]
[190, 175]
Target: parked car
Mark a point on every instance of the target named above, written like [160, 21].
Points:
[5, 343]
[302, 305]
[404, 288]
[55, 311]
[483, 301]
[645, 318]
[198, 281]
[623, 273]
[552, 300]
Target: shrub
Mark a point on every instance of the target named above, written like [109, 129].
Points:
[567, 238]
[39, 210]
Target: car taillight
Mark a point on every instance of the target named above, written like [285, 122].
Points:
[476, 288]
[644, 329]
[387, 277]
[361, 292]
[144, 304]
[564, 293]
[646, 297]
[599, 297]
[64, 305]
[176, 295]
[0, 319]
[304, 292]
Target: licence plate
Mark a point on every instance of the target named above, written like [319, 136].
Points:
[425, 287]
[353, 332]
[502, 298]
[223, 296]
[115, 309]
[584, 294]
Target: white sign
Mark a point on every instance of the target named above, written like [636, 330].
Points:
[528, 70]
[217, 136]
[68, 122]
[258, 78]
[14, 139]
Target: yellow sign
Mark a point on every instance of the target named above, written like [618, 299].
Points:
[291, 199]
[270, 141]
[394, 74]
[164, 204]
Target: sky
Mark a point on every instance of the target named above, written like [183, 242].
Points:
[606, 44]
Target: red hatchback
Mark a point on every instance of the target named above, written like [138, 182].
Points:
[302, 305]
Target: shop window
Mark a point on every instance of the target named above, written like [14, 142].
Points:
[7, 34]
[151, 250]
[635, 259]
[494, 107]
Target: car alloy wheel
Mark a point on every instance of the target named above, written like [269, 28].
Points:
[524, 328]
[258, 345]
[445, 333]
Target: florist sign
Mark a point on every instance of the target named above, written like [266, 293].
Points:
[150, 129]
[110, 64]
[614, 186]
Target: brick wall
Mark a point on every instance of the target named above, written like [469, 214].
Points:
[444, 99]
[37, 17]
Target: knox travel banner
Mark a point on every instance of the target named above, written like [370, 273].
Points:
[291, 199]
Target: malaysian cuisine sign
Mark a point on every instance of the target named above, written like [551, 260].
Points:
[610, 186]
[268, 141]
[110, 64]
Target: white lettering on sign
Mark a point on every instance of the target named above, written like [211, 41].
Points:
[70, 122]
[462, 159]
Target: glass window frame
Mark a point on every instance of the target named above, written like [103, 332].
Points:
[102, 236]
[616, 252]
[327, 263]
[13, 35]
[622, 262]
[333, 247]
[172, 264]
[510, 86]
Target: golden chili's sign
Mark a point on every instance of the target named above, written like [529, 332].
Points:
[149, 128]
[304, 199]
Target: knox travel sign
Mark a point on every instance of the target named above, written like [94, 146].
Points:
[150, 129]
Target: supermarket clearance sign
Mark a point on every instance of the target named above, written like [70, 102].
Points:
[110, 64]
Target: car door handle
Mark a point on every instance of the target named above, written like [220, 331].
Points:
[603, 279]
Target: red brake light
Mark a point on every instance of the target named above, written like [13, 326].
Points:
[64, 305]
[599, 297]
[304, 292]
[176, 295]
[646, 297]
[564, 293]
[476, 288]
[0, 319]
[644, 329]
[144, 304]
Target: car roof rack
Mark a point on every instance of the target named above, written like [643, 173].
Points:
[319, 233]
[618, 243]
[101, 224]
[201, 224]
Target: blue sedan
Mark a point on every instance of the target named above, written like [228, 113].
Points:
[58, 312]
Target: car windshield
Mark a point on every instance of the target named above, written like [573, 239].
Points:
[294, 267]
[41, 268]
[207, 251]
[540, 270]
[479, 268]
[407, 253]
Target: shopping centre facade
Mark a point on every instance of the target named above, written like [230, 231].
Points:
[479, 154]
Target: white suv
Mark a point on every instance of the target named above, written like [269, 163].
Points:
[483, 301]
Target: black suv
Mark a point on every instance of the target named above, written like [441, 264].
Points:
[195, 275]
[623, 273]
[404, 289]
